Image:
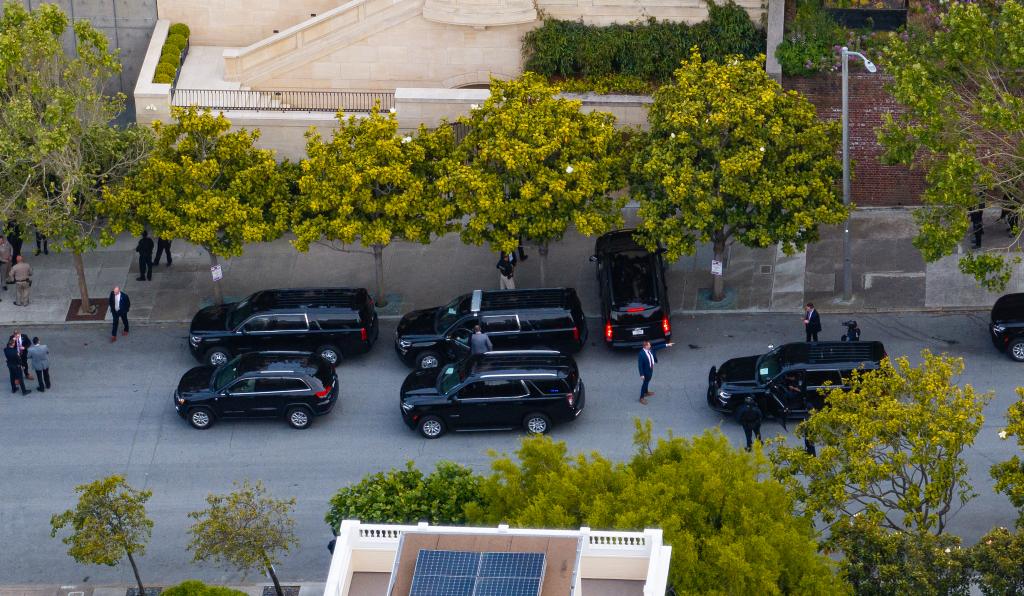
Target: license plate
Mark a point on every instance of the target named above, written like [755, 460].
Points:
[638, 332]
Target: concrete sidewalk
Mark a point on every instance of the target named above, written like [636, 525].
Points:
[889, 275]
[305, 589]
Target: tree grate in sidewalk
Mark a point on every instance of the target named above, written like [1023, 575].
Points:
[99, 314]
[288, 590]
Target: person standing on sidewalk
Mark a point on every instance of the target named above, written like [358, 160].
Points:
[506, 272]
[749, 416]
[14, 237]
[812, 322]
[42, 244]
[21, 275]
[39, 359]
[162, 246]
[14, 368]
[479, 342]
[120, 304]
[6, 258]
[978, 224]
[145, 250]
[645, 361]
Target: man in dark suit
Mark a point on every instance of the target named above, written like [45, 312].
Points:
[14, 368]
[119, 306]
[145, 250]
[22, 343]
[162, 245]
[812, 322]
[645, 362]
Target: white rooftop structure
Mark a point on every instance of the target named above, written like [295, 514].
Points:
[381, 559]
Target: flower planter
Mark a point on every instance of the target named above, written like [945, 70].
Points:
[876, 19]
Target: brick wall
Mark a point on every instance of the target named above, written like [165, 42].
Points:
[873, 184]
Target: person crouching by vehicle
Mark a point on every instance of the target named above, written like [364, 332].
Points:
[749, 416]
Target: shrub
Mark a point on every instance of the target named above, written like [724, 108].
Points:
[194, 587]
[613, 83]
[175, 40]
[810, 45]
[170, 54]
[164, 79]
[166, 69]
[179, 29]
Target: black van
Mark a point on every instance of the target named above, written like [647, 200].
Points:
[529, 389]
[513, 319]
[1007, 325]
[331, 322]
[634, 292]
[807, 367]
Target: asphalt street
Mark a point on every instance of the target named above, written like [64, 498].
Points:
[110, 411]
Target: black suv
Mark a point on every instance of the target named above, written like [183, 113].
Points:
[806, 366]
[513, 319]
[1007, 326]
[634, 293]
[293, 385]
[528, 389]
[331, 322]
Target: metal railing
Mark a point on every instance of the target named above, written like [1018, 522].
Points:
[283, 101]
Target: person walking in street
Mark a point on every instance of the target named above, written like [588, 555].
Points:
[42, 244]
[812, 322]
[119, 307]
[645, 361]
[21, 342]
[14, 368]
[749, 416]
[161, 247]
[145, 250]
[39, 359]
[6, 259]
[21, 275]
[506, 272]
[479, 342]
[977, 224]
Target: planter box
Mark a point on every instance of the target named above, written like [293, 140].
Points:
[876, 19]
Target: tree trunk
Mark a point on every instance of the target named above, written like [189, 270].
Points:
[542, 249]
[218, 293]
[378, 266]
[83, 289]
[718, 281]
[135, 570]
[273, 577]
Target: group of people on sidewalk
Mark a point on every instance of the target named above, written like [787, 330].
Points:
[146, 261]
[23, 356]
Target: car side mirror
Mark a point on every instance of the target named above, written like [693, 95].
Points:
[593, 258]
[771, 346]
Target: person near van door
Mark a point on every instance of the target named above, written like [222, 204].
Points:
[39, 360]
[145, 250]
[479, 342]
[977, 224]
[506, 272]
[749, 416]
[6, 259]
[812, 322]
[14, 368]
[21, 275]
[119, 305]
[162, 245]
[645, 361]
[22, 342]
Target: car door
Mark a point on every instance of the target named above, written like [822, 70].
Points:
[457, 346]
[503, 331]
[236, 400]
[491, 403]
[819, 384]
[255, 334]
[274, 394]
[290, 332]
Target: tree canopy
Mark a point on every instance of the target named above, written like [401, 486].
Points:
[963, 125]
[732, 157]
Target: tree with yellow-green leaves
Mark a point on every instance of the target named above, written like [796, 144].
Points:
[732, 157]
[1009, 475]
[532, 165]
[370, 184]
[206, 185]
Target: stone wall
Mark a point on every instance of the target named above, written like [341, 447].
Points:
[239, 22]
[873, 184]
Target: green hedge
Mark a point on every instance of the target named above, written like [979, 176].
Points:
[175, 40]
[650, 50]
[194, 587]
[170, 53]
[179, 29]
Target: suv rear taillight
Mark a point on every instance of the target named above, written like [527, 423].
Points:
[363, 335]
[325, 392]
[608, 331]
[575, 333]
[666, 326]
[571, 398]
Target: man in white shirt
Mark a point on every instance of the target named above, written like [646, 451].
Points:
[119, 305]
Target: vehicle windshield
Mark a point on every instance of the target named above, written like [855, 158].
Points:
[450, 313]
[226, 373]
[452, 375]
[633, 279]
[768, 366]
[239, 313]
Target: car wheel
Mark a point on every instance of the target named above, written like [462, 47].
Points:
[1016, 350]
[217, 356]
[200, 418]
[431, 427]
[428, 360]
[299, 417]
[536, 424]
[330, 354]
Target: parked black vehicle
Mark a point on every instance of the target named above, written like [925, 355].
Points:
[530, 389]
[785, 382]
[331, 322]
[634, 291]
[514, 319]
[294, 385]
[1007, 325]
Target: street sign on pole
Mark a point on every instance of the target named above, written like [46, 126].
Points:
[716, 267]
[217, 273]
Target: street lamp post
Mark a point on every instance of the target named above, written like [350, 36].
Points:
[847, 268]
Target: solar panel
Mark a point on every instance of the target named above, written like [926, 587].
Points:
[462, 573]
